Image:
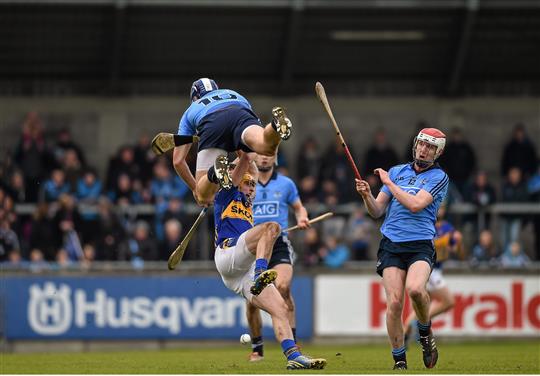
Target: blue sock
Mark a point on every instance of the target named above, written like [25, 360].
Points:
[261, 265]
[424, 329]
[399, 355]
[289, 349]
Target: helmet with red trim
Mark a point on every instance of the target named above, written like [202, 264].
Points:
[201, 87]
[431, 136]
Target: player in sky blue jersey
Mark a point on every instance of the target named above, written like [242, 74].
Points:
[224, 122]
[242, 254]
[275, 193]
[411, 196]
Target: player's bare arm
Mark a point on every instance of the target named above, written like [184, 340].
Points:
[244, 163]
[414, 203]
[376, 207]
[181, 167]
[301, 214]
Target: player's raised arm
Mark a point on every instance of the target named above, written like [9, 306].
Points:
[181, 167]
[376, 207]
[244, 163]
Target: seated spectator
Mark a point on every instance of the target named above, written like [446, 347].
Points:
[144, 158]
[37, 263]
[308, 190]
[64, 142]
[122, 164]
[9, 241]
[43, 233]
[358, 233]
[335, 253]
[123, 193]
[519, 152]
[480, 193]
[14, 260]
[15, 188]
[533, 186]
[336, 168]
[139, 247]
[67, 223]
[55, 186]
[88, 187]
[485, 250]
[110, 233]
[379, 155]
[309, 160]
[62, 259]
[89, 255]
[514, 190]
[514, 257]
[173, 237]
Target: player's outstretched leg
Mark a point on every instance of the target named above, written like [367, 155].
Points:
[263, 280]
[429, 350]
[281, 123]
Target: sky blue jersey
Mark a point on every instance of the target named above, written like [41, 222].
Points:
[209, 103]
[400, 224]
[273, 199]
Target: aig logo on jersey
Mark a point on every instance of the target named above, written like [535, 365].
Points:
[268, 209]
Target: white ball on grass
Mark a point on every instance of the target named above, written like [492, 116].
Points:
[245, 339]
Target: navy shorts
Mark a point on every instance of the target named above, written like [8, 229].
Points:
[404, 254]
[282, 253]
[223, 128]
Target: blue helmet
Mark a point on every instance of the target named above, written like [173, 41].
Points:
[201, 87]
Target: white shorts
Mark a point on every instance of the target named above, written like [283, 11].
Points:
[207, 157]
[436, 280]
[236, 265]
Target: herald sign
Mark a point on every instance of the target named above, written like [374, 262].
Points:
[485, 306]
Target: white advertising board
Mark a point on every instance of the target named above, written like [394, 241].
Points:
[506, 305]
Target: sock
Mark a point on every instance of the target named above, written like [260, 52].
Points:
[257, 345]
[424, 329]
[294, 334]
[260, 266]
[211, 175]
[289, 349]
[399, 355]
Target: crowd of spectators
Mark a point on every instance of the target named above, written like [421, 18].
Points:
[80, 218]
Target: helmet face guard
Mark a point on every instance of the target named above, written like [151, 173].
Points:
[201, 87]
[431, 136]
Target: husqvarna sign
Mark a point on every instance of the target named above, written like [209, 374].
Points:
[153, 307]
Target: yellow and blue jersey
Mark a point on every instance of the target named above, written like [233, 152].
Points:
[443, 241]
[273, 199]
[209, 103]
[400, 224]
[232, 214]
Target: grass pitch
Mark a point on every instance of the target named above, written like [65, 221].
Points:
[467, 358]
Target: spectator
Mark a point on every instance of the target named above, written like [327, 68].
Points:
[312, 247]
[55, 186]
[122, 164]
[514, 257]
[336, 168]
[358, 233]
[379, 155]
[37, 263]
[64, 142]
[43, 233]
[67, 222]
[14, 260]
[533, 186]
[173, 237]
[458, 160]
[176, 211]
[15, 188]
[308, 160]
[110, 233]
[88, 187]
[514, 190]
[72, 168]
[62, 259]
[33, 156]
[123, 193]
[9, 240]
[140, 247]
[144, 158]
[519, 152]
[89, 255]
[335, 253]
[480, 193]
[308, 190]
[485, 250]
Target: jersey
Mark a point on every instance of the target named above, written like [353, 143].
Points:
[443, 241]
[400, 224]
[272, 200]
[211, 102]
[232, 215]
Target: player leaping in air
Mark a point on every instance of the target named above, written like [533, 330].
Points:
[224, 122]
[410, 196]
[242, 254]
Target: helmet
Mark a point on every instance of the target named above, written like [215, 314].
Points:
[201, 87]
[432, 136]
[247, 178]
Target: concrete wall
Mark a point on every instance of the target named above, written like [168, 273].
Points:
[102, 124]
